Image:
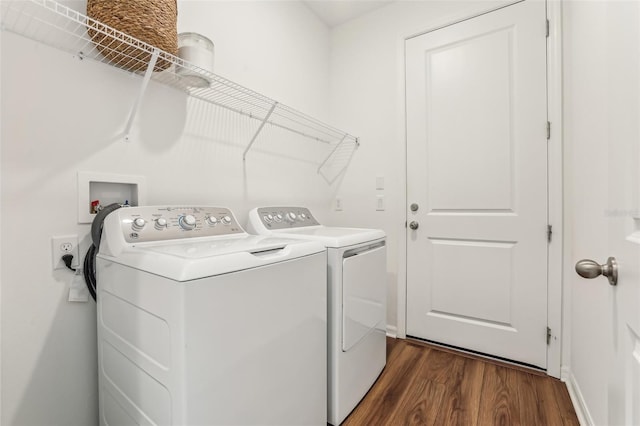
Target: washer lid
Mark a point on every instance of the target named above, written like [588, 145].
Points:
[333, 236]
[186, 260]
[194, 249]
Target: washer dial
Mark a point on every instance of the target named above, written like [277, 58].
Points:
[161, 223]
[138, 223]
[291, 217]
[187, 222]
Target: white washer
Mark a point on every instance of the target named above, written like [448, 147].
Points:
[357, 300]
[200, 323]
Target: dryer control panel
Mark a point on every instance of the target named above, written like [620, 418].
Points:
[155, 223]
[286, 217]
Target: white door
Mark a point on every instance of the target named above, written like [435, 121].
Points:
[477, 175]
[602, 86]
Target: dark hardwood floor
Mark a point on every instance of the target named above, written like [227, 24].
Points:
[427, 385]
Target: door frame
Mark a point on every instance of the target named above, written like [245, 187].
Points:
[556, 298]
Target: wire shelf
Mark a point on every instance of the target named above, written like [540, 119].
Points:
[63, 28]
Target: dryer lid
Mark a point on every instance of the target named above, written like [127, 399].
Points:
[334, 237]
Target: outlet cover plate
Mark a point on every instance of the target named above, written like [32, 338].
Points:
[61, 245]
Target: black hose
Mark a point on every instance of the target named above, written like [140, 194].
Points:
[98, 221]
[89, 270]
[90, 257]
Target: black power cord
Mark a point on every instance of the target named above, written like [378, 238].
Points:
[67, 259]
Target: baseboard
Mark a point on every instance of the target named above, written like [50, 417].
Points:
[565, 373]
[579, 404]
[392, 331]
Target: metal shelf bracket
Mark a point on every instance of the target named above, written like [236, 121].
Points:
[331, 153]
[143, 89]
[253, 139]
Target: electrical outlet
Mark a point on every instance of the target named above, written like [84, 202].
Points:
[61, 245]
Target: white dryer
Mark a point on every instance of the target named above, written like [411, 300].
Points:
[356, 260]
[200, 323]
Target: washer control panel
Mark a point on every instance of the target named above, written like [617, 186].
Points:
[286, 217]
[141, 224]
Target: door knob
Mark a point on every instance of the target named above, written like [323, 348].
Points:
[414, 225]
[588, 268]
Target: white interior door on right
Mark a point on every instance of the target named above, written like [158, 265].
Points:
[477, 184]
[602, 130]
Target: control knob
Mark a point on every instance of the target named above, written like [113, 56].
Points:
[226, 220]
[278, 217]
[187, 222]
[138, 223]
[291, 217]
[302, 217]
[267, 218]
[161, 223]
[211, 220]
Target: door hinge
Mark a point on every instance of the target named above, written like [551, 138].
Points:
[548, 28]
[548, 335]
[548, 130]
[549, 232]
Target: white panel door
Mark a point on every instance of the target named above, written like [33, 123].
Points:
[477, 173]
[622, 145]
[604, 132]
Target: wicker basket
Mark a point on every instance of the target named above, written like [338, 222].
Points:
[151, 21]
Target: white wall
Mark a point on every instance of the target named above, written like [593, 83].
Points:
[61, 115]
[367, 99]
